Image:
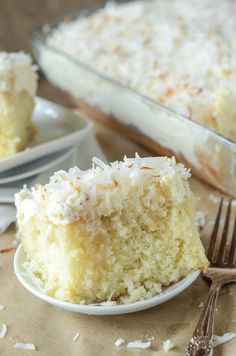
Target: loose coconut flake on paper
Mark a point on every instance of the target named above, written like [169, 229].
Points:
[218, 340]
[168, 345]
[119, 342]
[22, 346]
[3, 332]
[138, 344]
[76, 337]
[200, 219]
[2, 307]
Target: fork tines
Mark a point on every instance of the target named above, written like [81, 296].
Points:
[220, 259]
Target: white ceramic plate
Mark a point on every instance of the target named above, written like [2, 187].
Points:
[8, 191]
[167, 294]
[35, 167]
[57, 128]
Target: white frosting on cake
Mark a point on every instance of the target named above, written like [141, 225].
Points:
[178, 52]
[17, 73]
[101, 190]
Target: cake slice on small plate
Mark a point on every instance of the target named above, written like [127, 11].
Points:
[18, 85]
[121, 232]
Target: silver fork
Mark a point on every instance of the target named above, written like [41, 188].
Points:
[222, 270]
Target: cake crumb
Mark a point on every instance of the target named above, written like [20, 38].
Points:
[138, 344]
[76, 337]
[110, 303]
[22, 346]
[119, 342]
[167, 345]
[200, 305]
[200, 219]
[218, 340]
[2, 307]
[3, 332]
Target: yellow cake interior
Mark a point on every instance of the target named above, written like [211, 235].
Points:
[18, 83]
[15, 122]
[127, 244]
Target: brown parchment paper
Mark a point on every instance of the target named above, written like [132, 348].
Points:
[52, 330]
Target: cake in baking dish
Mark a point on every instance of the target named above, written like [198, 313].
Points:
[125, 229]
[180, 53]
[18, 84]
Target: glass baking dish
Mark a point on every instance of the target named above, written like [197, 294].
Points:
[211, 156]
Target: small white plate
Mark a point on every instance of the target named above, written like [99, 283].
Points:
[8, 191]
[57, 128]
[35, 167]
[167, 293]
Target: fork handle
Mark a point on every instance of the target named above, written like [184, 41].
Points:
[201, 343]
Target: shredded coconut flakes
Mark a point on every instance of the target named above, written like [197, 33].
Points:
[111, 296]
[3, 331]
[90, 193]
[119, 342]
[135, 44]
[218, 340]
[76, 337]
[111, 303]
[200, 219]
[138, 344]
[167, 345]
[22, 346]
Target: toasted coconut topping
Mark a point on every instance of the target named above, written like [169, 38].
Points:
[135, 43]
[100, 191]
